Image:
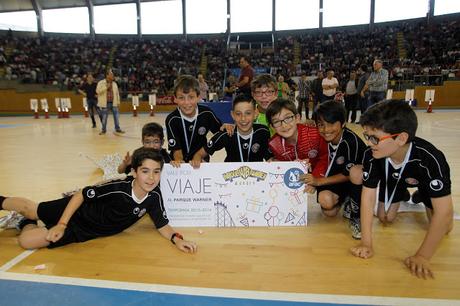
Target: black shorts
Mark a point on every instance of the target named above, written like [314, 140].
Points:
[401, 195]
[342, 190]
[49, 213]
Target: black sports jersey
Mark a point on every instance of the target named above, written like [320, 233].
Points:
[256, 147]
[195, 131]
[348, 153]
[110, 208]
[426, 169]
[164, 154]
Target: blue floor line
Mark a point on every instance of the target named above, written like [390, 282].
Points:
[20, 293]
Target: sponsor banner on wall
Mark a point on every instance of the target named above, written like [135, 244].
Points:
[235, 194]
[165, 100]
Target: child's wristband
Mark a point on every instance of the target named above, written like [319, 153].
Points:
[176, 235]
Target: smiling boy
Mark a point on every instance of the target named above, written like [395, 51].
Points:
[397, 159]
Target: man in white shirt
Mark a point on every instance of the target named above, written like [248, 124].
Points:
[330, 85]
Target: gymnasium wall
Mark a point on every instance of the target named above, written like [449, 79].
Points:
[13, 103]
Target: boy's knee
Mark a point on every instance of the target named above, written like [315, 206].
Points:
[356, 174]
[327, 200]
[330, 212]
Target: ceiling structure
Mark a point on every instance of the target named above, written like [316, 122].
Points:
[27, 5]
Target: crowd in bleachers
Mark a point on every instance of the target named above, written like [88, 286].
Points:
[153, 64]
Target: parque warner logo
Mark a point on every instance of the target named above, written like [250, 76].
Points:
[244, 172]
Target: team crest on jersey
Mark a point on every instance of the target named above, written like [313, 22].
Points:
[395, 175]
[245, 145]
[210, 143]
[172, 142]
[436, 185]
[340, 160]
[411, 181]
[349, 166]
[202, 131]
[90, 193]
[142, 212]
[136, 210]
[255, 148]
[312, 153]
[365, 176]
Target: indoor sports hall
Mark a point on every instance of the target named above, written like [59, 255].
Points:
[49, 145]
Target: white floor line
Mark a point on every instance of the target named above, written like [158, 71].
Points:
[226, 293]
[15, 260]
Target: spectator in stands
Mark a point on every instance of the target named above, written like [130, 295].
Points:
[363, 76]
[88, 90]
[108, 98]
[246, 76]
[204, 88]
[329, 85]
[377, 83]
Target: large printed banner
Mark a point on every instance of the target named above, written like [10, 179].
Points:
[235, 194]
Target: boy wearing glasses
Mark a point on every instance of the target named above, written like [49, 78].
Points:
[345, 150]
[296, 141]
[188, 125]
[152, 137]
[264, 91]
[397, 159]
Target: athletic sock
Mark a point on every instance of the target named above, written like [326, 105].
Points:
[1, 202]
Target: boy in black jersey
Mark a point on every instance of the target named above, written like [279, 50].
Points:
[397, 159]
[345, 150]
[101, 210]
[152, 137]
[249, 143]
[188, 125]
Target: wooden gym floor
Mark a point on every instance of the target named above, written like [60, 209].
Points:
[40, 159]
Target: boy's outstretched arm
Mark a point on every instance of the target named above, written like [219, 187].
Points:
[364, 249]
[440, 224]
[56, 232]
[178, 158]
[197, 158]
[185, 246]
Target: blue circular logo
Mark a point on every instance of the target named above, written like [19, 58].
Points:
[292, 178]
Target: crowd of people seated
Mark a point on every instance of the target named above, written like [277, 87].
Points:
[148, 65]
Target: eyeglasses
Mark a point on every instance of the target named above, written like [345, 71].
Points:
[267, 93]
[153, 142]
[286, 120]
[375, 140]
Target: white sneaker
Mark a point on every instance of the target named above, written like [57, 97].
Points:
[12, 220]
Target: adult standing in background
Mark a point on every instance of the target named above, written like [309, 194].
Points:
[246, 76]
[329, 85]
[88, 90]
[377, 83]
[317, 89]
[363, 76]
[108, 98]
[304, 95]
[351, 97]
[283, 88]
[204, 88]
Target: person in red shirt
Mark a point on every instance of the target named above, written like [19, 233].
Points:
[296, 141]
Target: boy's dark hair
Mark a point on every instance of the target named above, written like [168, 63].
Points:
[263, 79]
[186, 83]
[330, 111]
[276, 106]
[152, 129]
[243, 98]
[141, 154]
[391, 116]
